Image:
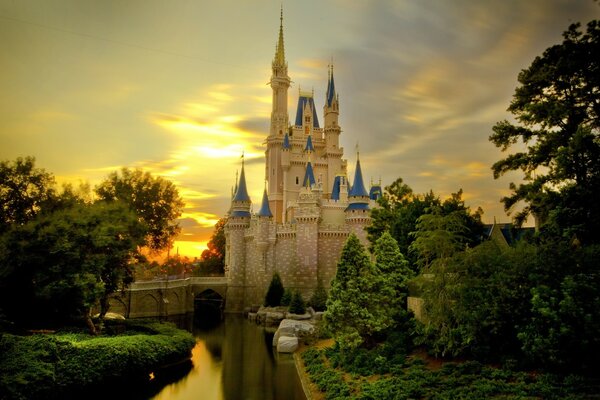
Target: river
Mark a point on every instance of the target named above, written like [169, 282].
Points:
[235, 361]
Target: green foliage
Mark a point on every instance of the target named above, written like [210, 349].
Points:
[357, 307]
[155, 201]
[274, 292]
[297, 305]
[286, 299]
[401, 208]
[24, 189]
[318, 300]
[368, 375]
[558, 118]
[56, 366]
[59, 265]
[212, 260]
[395, 271]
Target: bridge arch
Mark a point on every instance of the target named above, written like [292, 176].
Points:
[208, 307]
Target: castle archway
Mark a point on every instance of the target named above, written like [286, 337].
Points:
[208, 307]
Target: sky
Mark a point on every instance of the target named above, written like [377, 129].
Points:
[179, 88]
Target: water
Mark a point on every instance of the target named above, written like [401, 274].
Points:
[235, 361]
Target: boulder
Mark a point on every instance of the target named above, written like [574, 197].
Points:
[318, 316]
[290, 327]
[287, 344]
[274, 317]
[299, 317]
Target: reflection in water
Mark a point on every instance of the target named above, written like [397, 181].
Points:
[235, 361]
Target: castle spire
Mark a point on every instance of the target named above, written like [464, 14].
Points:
[265, 210]
[358, 187]
[241, 194]
[280, 48]
[331, 95]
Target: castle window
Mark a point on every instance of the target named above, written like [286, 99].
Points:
[297, 180]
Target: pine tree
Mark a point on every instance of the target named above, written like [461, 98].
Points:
[357, 308]
[286, 299]
[275, 292]
[318, 301]
[297, 305]
[395, 270]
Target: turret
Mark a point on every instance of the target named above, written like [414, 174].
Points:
[331, 113]
[235, 248]
[358, 212]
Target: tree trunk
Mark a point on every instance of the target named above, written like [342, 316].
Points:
[90, 324]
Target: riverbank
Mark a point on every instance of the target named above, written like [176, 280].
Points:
[67, 364]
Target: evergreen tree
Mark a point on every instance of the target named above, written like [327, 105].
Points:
[318, 301]
[297, 305]
[286, 298]
[395, 270]
[275, 292]
[357, 308]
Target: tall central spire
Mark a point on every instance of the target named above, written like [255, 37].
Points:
[280, 49]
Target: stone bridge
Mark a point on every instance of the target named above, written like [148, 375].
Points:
[166, 297]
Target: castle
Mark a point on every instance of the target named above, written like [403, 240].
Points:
[308, 207]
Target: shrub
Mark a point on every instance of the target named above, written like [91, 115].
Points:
[286, 299]
[297, 305]
[275, 292]
[318, 301]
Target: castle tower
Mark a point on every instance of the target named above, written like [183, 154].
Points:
[235, 260]
[280, 83]
[357, 212]
[332, 130]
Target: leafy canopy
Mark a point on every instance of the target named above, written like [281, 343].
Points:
[155, 200]
[557, 112]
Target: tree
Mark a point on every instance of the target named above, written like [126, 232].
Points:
[395, 270]
[401, 208]
[59, 265]
[297, 305]
[557, 108]
[274, 292]
[155, 201]
[23, 190]
[212, 259]
[357, 309]
[318, 300]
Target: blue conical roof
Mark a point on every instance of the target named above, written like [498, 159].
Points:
[335, 192]
[286, 141]
[265, 210]
[309, 176]
[302, 100]
[358, 188]
[241, 193]
[309, 145]
[330, 89]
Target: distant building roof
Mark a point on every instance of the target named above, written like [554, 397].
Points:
[265, 210]
[241, 194]
[375, 192]
[302, 100]
[335, 191]
[309, 144]
[358, 187]
[507, 233]
[309, 176]
[286, 141]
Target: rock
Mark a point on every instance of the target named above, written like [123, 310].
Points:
[318, 316]
[291, 327]
[298, 316]
[274, 317]
[287, 344]
[252, 316]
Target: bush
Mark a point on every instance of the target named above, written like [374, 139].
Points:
[297, 305]
[275, 292]
[286, 299]
[58, 365]
[318, 301]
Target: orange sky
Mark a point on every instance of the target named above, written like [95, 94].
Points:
[179, 88]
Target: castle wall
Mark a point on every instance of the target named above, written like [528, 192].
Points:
[330, 248]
